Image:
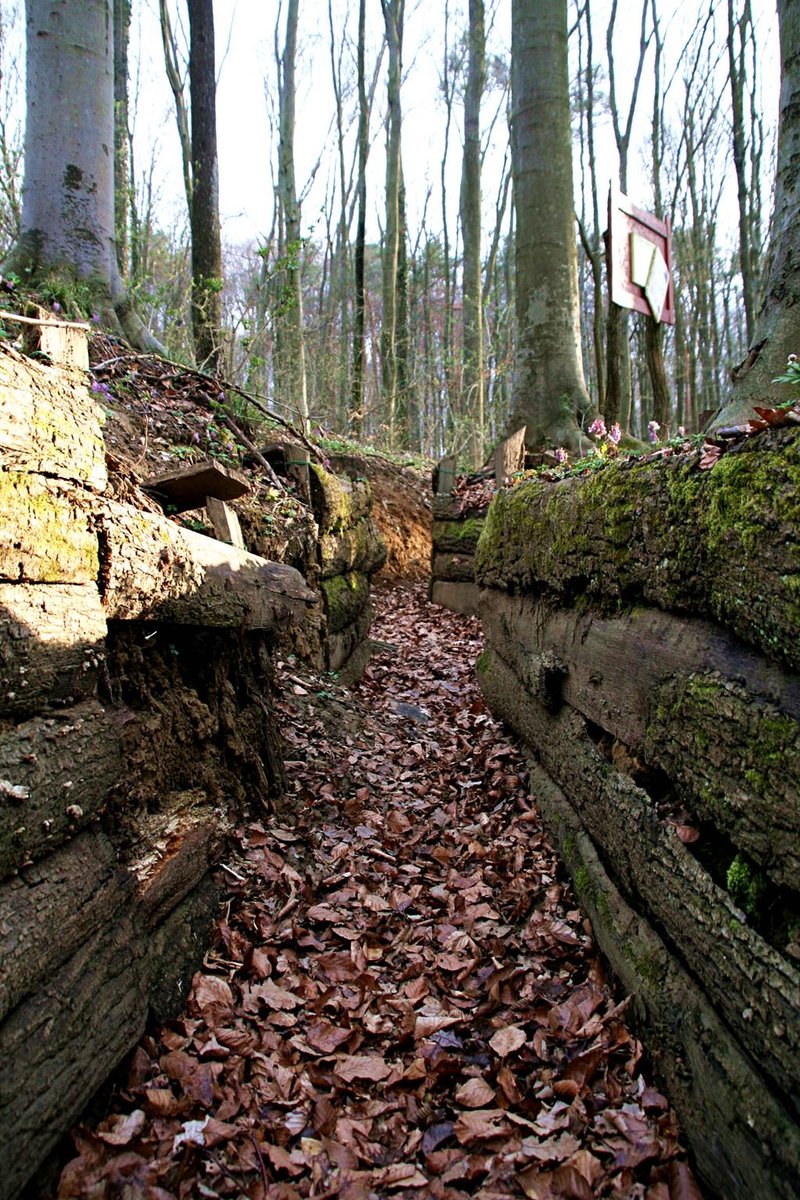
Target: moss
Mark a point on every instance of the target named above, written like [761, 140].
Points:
[58, 540]
[460, 537]
[345, 596]
[746, 885]
[333, 501]
[484, 661]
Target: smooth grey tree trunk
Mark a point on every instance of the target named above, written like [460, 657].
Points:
[472, 298]
[68, 226]
[206, 243]
[549, 390]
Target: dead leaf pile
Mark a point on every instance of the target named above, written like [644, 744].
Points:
[402, 999]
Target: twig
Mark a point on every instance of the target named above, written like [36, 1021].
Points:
[261, 1164]
[9, 316]
[256, 453]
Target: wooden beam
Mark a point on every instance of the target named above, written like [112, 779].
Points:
[188, 488]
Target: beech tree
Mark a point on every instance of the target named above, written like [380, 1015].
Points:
[206, 243]
[777, 329]
[549, 391]
[472, 301]
[67, 235]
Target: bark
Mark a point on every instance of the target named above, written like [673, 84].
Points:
[549, 389]
[46, 537]
[357, 382]
[67, 233]
[454, 568]
[472, 383]
[777, 332]
[206, 244]
[456, 537]
[392, 334]
[122, 174]
[342, 645]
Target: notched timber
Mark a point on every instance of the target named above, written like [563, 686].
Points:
[358, 547]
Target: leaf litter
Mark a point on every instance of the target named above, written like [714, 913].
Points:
[402, 998]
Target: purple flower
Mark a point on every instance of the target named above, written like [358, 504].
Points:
[681, 431]
[229, 446]
[652, 431]
[95, 318]
[56, 306]
[615, 434]
[598, 426]
[561, 455]
[196, 438]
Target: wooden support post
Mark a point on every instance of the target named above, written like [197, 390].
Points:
[509, 457]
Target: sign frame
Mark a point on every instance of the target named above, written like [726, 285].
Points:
[624, 219]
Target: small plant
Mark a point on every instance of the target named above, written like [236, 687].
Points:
[745, 885]
[791, 376]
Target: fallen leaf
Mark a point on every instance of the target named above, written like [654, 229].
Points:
[507, 1040]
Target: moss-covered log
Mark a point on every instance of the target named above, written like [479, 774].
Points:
[454, 568]
[345, 596]
[342, 645]
[753, 987]
[456, 537]
[358, 547]
[723, 543]
[745, 1144]
[336, 500]
[667, 688]
[45, 536]
[452, 508]
[50, 424]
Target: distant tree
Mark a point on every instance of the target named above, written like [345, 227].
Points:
[206, 242]
[777, 328]
[67, 239]
[393, 336]
[472, 298]
[549, 392]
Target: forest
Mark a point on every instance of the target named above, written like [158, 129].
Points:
[381, 298]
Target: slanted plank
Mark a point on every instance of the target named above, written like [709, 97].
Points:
[189, 487]
[225, 522]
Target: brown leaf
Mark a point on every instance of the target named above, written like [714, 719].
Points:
[362, 1066]
[475, 1093]
[121, 1130]
[507, 1040]
[326, 1037]
[483, 1124]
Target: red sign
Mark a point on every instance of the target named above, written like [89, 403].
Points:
[639, 255]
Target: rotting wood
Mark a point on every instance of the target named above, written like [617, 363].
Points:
[179, 846]
[50, 423]
[59, 769]
[49, 909]
[753, 987]
[745, 1143]
[47, 1057]
[51, 645]
[177, 947]
[509, 457]
[338, 501]
[444, 475]
[152, 570]
[344, 644]
[45, 535]
[345, 596]
[224, 522]
[359, 547]
[734, 758]
[456, 537]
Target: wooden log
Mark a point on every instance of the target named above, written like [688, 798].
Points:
[50, 909]
[753, 987]
[152, 570]
[58, 1046]
[225, 522]
[55, 774]
[179, 846]
[50, 423]
[744, 1142]
[337, 501]
[344, 596]
[189, 487]
[65, 344]
[509, 457]
[359, 547]
[176, 949]
[670, 689]
[343, 644]
[449, 508]
[51, 645]
[456, 537]
[723, 543]
[46, 535]
[458, 597]
[454, 568]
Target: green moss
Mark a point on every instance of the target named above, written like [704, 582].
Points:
[345, 597]
[484, 661]
[333, 502]
[746, 885]
[63, 550]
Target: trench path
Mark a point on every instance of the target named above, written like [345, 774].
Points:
[402, 998]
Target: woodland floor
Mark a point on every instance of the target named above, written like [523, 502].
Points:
[402, 998]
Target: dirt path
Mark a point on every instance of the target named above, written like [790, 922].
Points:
[402, 998]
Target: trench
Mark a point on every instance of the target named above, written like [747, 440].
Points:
[402, 996]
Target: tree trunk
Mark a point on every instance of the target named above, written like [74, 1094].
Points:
[357, 382]
[549, 388]
[777, 332]
[206, 246]
[472, 298]
[122, 24]
[393, 16]
[68, 225]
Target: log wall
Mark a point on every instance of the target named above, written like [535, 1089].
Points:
[641, 634]
[135, 729]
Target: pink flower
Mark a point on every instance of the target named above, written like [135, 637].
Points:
[598, 426]
[615, 434]
[652, 431]
[561, 455]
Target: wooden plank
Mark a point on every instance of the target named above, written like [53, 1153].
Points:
[51, 645]
[56, 772]
[225, 522]
[671, 690]
[509, 457]
[444, 475]
[188, 487]
[744, 1141]
[50, 909]
[752, 986]
[155, 571]
[45, 536]
[50, 423]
